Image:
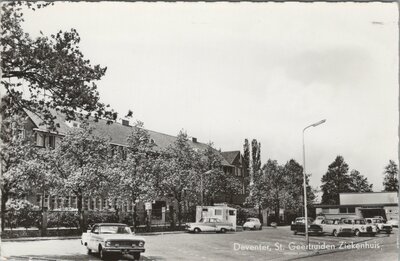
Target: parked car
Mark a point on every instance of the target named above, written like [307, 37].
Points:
[393, 222]
[209, 225]
[112, 238]
[319, 219]
[252, 223]
[298, 226]
[330, 226]
[380, 225]
[301, 220]
[359, 226]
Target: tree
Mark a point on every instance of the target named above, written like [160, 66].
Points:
[23, 169]
[52, 68]
[81, 164]
[335, 181]
[390, 182]
[135, 179]
[359, 183]
[178, 169]
[214, 180]
[246, 157]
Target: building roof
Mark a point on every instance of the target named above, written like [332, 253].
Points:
[230, 156]
[117, 132]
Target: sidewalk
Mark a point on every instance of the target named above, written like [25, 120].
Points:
[79, 237]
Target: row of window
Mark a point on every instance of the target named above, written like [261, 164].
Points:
[342, 210]
[57, 202]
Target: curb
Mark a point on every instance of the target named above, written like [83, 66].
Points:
[21, 239]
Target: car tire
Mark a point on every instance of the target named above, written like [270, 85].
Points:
[88, 251]
[295, 232]
[223, 230]
[378, 230]
[197, 230]
[103, 255]
[357, 233]
[335, 233]
[136, 256]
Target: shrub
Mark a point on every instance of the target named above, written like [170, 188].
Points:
[22, 213]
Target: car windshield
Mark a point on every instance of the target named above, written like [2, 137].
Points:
[115, 230]
[359, 221]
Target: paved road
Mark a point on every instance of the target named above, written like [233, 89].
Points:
[268, 244]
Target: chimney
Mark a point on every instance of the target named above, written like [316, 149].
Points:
[125, 122]
[194, 140]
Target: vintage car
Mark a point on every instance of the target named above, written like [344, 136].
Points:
[335, 227]
[112, 238]
[252, 223]
[359, 226]
[298, 226]
[209, 225]
[380, 225]
[319, 219]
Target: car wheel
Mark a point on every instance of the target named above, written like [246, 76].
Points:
[223, 230]
[197, 230]
[378, 230]
[88, 251]
[103, 255]
[295, 232]
[335, 233]
[357, 233]
[254, 227]
[136, 256]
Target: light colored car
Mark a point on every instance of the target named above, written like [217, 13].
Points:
[209, 225]
[331, 227]
[380, 225]
[319, 219]
[359, 226]
[393, 222]
[112, 238]
[252, 223]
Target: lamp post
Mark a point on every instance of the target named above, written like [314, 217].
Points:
[304, 180]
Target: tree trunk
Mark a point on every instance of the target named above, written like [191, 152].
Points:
[4, 198]
[80, 213]
[260, 216]
[179, 214]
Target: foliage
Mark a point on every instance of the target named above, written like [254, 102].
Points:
[359, 183]
[335, 181]
[390, 182]
[135, 177]
[63, 219]
[178, 167]
[52, 68]
[21, 213]
[212, 177]
[102, 217]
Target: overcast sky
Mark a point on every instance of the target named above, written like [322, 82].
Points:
[229, 71]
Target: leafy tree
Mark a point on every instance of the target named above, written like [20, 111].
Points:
[215, 180]
[135, 180]
[335, 181]
[390, 182]
[359, 183]
[19, 162]
[246, 158]
[52, 68]
[178, 169]
[82, 165]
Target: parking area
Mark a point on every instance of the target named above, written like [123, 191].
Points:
[266, 244]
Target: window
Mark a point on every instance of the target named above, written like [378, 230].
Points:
[351, 210]
[231, 212]
[52, 142]
[39, 139]
[218, 212]
[342, 210]
[347, 210]
[325, 210]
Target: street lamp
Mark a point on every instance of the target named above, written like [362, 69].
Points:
[304, 180]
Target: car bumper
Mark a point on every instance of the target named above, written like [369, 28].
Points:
[122, 250]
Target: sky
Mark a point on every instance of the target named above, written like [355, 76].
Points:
[224, 72]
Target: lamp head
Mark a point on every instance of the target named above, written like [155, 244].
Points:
[318, 123]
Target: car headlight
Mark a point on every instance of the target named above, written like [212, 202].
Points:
[141, 243]
[108, 243]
